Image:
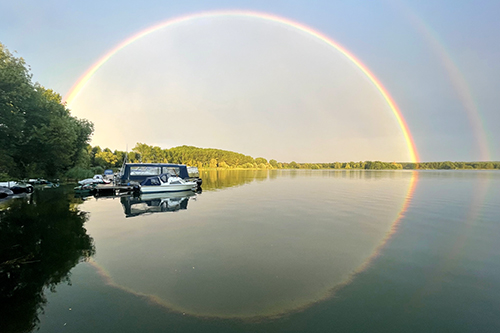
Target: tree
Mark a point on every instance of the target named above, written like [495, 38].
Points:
[106, 159]
[38, 136]
[273, 163]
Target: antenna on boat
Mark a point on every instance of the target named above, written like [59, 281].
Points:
[125, 160]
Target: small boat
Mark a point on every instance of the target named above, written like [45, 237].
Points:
[43, 183]
[17, 187]
[166, 183]
[97, 179]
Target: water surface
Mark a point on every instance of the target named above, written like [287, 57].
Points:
[291, 251]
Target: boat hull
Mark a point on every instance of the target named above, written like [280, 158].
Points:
[191, 186]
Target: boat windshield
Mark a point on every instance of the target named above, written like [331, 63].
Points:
[151, 181]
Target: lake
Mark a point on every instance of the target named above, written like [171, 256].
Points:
[259, 251]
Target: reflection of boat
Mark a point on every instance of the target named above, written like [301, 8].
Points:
[85, 190]
[155, 203]
[166, 183]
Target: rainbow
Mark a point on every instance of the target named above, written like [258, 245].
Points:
[456, 77]
[82, 81]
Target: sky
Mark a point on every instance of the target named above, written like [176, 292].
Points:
[267, 89]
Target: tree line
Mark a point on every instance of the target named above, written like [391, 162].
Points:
[210, 158]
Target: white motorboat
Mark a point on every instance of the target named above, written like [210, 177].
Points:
[97, 179]
[166, 183]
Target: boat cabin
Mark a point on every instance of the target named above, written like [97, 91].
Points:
[136, 173]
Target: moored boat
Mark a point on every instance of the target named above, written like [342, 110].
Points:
[17, 187]
[97, 179]
[136, 173]
[166, 183]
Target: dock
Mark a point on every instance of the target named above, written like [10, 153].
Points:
[109, 189]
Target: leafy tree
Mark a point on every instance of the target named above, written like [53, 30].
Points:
[106, 159]
[38, 136]
[260, 160]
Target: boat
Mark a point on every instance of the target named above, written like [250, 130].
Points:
[135, 173]
[43, 183]
[17, 187]
[165, 183]
[97, 179]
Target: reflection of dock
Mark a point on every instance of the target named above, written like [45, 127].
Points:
[109, 189]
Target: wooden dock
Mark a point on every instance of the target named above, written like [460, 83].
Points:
[109, 189]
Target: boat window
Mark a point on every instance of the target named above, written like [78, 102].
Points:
[144, 171]
[172, 171]
[151, 181]
[164, 178]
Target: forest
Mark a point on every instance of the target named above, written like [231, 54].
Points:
[39, 138]
[210, 158]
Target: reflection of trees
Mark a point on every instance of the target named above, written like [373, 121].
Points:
[40, 241]
[217, 179]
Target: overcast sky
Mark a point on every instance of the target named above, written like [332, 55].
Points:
[266, 90]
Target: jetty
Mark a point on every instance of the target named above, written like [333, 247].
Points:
[110, 189]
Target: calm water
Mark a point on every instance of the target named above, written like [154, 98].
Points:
[304, 251]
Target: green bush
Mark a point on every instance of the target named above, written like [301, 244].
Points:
[79, 173]
[97, 170]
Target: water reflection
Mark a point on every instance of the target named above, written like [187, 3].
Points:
[41, 239]
[156, 203]
[220, 179]
[265, 249]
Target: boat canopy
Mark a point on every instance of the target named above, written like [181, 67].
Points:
[138, 172]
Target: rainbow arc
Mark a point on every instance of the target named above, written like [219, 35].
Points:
[83, 80]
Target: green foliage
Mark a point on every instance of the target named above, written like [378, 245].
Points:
[38, 136]
[97, 170]
[4, 177]
[106, 159]
[217, 158]
[79, 173]
[223, 159]
[260, 160]
[447, 165]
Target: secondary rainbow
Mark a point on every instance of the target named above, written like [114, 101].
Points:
[457, 78]
[82, 81]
